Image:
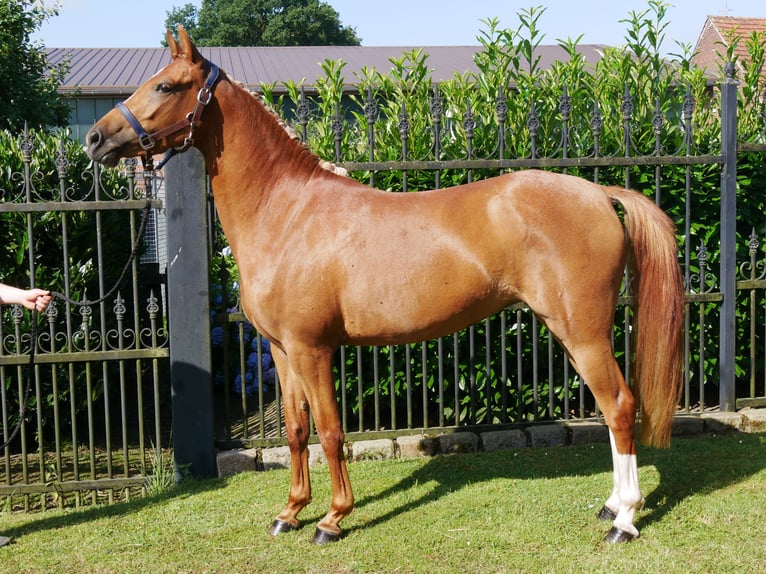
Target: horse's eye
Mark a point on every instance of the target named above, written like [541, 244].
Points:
[165, 88]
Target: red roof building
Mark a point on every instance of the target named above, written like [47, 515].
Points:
[720, 32]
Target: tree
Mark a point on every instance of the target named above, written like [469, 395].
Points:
[263, 23]
[28, 86]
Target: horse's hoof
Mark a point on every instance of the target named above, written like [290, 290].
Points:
[606, 514]
[322, 537]
[280, 526]
[619, 536]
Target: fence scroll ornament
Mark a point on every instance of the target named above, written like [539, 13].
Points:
[752, 277]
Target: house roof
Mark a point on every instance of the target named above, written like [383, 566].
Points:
[119, 71]
[713, 41]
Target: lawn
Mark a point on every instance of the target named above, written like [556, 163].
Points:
[530, 510]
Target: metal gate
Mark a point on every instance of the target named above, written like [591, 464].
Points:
[96, 423]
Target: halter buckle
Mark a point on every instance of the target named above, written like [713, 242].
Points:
[146, 142]
[204, 95]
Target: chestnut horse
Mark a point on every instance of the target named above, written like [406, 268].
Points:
[340, 263]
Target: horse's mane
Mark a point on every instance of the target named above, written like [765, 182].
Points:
[291, 132]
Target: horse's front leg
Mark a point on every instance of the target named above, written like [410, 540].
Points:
[314, 368]
[297, 429]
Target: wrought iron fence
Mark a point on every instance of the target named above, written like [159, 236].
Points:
[508, 370]
[94, 421]
[100, 385]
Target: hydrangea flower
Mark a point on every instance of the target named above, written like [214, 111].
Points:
[222, 295]
[252, 361]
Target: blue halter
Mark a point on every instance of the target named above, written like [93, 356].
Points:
[148, 141]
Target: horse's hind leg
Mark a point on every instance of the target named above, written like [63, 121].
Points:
[297, 429]
[625, 499]
[601, 373]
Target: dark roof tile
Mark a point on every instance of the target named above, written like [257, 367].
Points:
[119, 71]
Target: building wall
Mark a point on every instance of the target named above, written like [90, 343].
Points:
[85, 111]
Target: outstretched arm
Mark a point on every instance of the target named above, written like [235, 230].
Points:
[29, 298]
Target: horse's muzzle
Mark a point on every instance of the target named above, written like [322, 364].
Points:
[98, 149]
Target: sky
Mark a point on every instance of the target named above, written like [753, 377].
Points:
[140, 23]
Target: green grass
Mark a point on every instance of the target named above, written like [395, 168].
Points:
[531, 510]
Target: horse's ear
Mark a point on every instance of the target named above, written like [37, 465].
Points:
[172, 44]
[185, 46]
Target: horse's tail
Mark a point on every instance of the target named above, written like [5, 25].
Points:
[659, 302]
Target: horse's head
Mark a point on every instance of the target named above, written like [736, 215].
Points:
[162, 113]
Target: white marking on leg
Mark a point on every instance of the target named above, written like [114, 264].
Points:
[626, 497]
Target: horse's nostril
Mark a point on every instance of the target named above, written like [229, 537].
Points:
[93, 139]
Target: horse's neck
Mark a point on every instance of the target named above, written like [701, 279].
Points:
[257, 170]
[256, 148]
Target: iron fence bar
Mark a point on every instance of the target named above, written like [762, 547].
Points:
[242, 380]
[535, 367]
[519, 368]
[456, 374]
[424, 382]
[686, 359]
[70, 206]
[472, 373]
[392, 385]
[744, 284]
[500, 164]
[376, 384]
[59, 454]
[149, 186]
[17, 319]
[744, 147]
[488, 367]
[504, 364]
[343, 391]
[261, 421]
[359, 386]
[408, 383]
[86, 356]
[71, 486]
[440, 354]
[728, 256]
[551, 394]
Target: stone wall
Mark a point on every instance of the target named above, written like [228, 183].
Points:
[536, 436]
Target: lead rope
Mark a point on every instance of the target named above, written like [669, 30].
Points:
[139, 234]
[33, 331]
